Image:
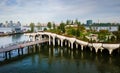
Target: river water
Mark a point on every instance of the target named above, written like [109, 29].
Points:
[58, 60]
[12, 39]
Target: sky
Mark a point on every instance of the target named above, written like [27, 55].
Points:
[43, 11]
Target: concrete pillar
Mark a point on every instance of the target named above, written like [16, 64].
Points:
[76, 45]
[69, 44]
[90, 48]
[22, 51]
[111, 47]
[28, 50]
[96, 50]
[97, 46]
[53, 41]
[9, 54]
[110, 51]
[65, 43]
[58, 42]
[49, 40]
[6, 55]
[82, 47]
[61, 42]
[100, 50]
[18, 52]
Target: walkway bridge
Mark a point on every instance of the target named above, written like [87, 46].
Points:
[20, 46]
[69, 41]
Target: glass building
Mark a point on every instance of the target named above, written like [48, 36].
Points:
[89, 22]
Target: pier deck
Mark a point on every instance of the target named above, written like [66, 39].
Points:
[21, 45]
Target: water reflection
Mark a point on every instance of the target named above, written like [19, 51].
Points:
[98, 63]
[63, 60]
[16, 37]
[12, 39]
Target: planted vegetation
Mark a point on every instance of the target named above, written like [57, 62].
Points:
[77, 30]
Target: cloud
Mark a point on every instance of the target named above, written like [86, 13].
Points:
[57, 10]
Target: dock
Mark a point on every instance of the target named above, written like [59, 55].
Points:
[20, 46]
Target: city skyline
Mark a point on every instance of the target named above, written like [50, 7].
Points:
[27, 11]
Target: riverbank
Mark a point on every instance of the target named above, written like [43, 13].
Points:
[9, 34]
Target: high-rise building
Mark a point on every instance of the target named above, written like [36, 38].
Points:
[6, 24]
[10, 24]
[1, 24]
[89, 22]
[18, 23]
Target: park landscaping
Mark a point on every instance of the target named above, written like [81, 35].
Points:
[77, 30]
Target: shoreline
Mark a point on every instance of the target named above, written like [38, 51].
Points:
[9, 34]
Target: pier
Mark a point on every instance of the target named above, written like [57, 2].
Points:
[55, 39]
[20, 46]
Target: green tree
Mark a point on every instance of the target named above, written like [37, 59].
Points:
[76, 22]
[54, 26]
[62, 27]
[117, 34]
[45, 29]
[119, 28]
[78, 32]
[72, 22]
[68, 22]
[32, 25]
[49, 25]
[78, 29]
[71, 31]
[104, 32]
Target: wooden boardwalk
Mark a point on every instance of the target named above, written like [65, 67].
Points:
[21, 45]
